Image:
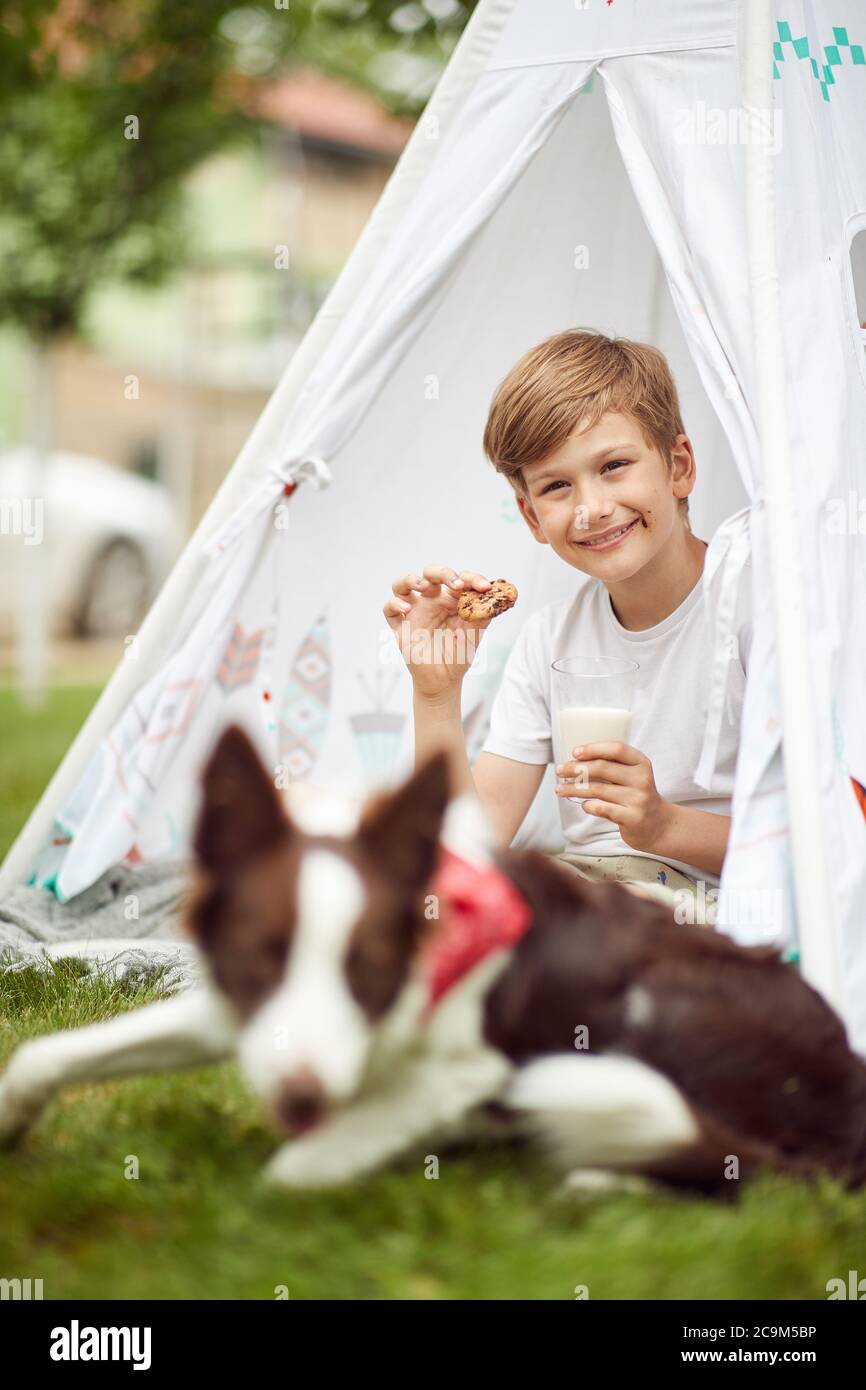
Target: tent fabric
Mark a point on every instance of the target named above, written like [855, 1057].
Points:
[569, 172]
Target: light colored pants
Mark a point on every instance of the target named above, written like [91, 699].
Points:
[654, 877]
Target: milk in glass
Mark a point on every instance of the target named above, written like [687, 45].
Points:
[591, 724]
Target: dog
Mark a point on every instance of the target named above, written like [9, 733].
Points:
[408, 982]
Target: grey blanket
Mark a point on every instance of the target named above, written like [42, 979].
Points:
[125, 926]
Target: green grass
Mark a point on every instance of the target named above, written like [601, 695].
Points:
[198, 1222]
[31, 747]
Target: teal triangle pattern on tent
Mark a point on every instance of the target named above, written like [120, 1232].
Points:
[823, 71]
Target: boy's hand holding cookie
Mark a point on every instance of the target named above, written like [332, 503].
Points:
[438, 618]
[616, 782]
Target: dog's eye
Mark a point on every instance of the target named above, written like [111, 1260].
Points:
[274, 947]
[377, 965]
[373, 985]
[248, 970]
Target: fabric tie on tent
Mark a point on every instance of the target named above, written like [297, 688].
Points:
[278, 479]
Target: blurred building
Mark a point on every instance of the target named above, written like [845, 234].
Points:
[171, 381]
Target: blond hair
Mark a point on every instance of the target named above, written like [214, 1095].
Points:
[573, 376]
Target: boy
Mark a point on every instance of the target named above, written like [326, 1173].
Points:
[588, 432]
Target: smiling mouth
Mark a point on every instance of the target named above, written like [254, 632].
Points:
[608, 542]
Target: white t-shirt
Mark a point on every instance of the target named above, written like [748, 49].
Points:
[670, 703]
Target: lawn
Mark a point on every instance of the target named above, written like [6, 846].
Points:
[31, 747]
[197, 1223]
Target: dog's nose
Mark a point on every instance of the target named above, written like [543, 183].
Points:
[300, 1102]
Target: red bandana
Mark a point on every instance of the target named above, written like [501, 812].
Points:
[483, 912]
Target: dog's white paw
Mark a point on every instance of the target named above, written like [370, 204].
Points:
[307, 1165]
[15, 1118]
[21, 1099]
[602, 1180]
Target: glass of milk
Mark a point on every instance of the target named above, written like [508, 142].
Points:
[592, 703]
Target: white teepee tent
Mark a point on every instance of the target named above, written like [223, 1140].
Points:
[581, 162]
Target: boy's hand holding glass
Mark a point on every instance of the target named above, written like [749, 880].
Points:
[616, 782]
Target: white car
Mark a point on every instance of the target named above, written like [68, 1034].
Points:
[105, 538]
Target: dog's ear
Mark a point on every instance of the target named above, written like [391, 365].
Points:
[402, 828]
[241, 812]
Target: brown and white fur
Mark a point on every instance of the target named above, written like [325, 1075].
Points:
[705, 1060]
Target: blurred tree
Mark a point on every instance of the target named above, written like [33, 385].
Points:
[107, 105]
[396, 50]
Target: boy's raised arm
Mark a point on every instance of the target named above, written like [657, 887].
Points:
[506, 789]
[438, 648]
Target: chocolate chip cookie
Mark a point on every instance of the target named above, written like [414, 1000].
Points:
[475, 607]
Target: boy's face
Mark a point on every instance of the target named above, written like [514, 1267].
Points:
[606, 478]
